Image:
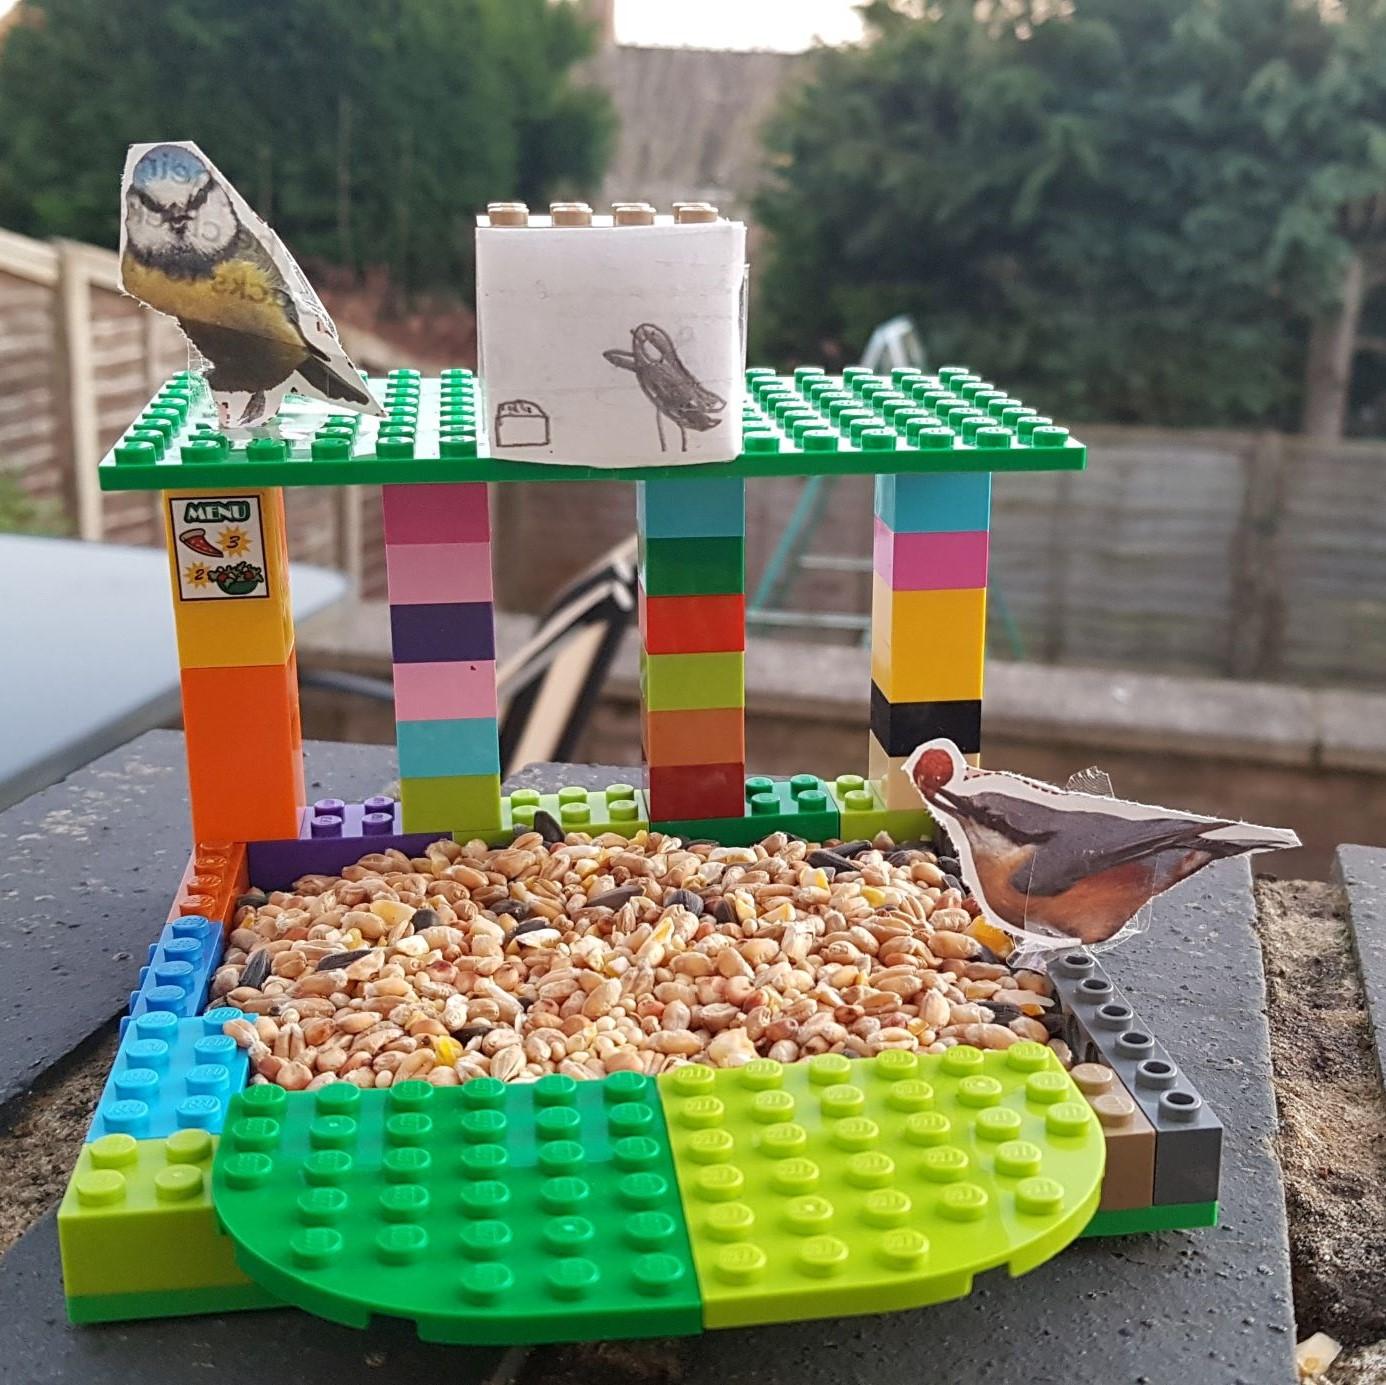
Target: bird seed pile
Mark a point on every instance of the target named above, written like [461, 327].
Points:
[589, 956]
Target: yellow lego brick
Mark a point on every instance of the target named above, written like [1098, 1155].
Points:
[891, 781]
[229, 570]
[928, 646]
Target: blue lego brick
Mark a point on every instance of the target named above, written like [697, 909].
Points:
[452, 746]
[171, 1074]
[1103, 1028]
[944, 503]
[179, 969]
[699, 508]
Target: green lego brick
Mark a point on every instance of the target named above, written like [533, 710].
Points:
[800, 806]
[833, 1187]
[169, 1303]
[485, 1213]
[690, 682]
[811, 424]
[466, 804]
[617, 808]
[137, 1219]
[693, 567]
[862, 812]
[1131, 1221]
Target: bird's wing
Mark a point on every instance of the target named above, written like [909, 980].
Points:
[703, 400]
[1091, 843]
[624, 360]
[1021, 820]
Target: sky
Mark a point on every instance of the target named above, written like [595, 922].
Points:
[790, 25]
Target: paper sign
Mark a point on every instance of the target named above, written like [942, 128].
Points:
[219, 548]
[612, 346]
[192, 248]
[1051, 865]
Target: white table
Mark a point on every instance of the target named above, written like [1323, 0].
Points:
[87, 652]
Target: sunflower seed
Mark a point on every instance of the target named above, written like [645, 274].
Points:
[424, 918]
[830, 860]
[546, 825]
[512, 908]
[528, 926]
[256, 969]
[342, 959]
[853, 848]
[255, 898]
[684, 899]
[613, 899]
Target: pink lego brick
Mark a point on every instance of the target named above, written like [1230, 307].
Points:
[930, 562]
[443, 692]
[425, 573]
[436, 513]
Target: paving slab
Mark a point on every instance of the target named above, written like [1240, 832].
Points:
[1200, 1308]
[88, 869]
[1361, 870]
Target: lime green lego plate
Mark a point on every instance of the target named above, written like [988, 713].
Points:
[833, 1187]
[807, 424]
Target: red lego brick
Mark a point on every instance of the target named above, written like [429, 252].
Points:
[693, 624]
[697, 791]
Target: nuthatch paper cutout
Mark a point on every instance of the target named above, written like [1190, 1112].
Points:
[1054, 865]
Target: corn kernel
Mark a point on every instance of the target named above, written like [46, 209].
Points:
[447, 1049]
[873, 896]
[999, 941]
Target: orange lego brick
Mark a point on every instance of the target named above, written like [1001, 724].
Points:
[1130, 1177]
[245, 751]
[215, 877]
[229, 569]
[703, 736]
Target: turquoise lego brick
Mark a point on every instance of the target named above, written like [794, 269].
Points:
[860, 424]
[832, 1187]
[862, 813]
[800, 806]
[171, 1074]
[1133, 1221]
[485, 1213]
[137, 1219]
[693, 567]
[939, 504]
[619, 808]
[179, 970]
[699, 508]
[457, 746]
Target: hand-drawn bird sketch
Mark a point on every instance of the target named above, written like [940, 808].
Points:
[192, 248]
[668, 384]
[1050, 864]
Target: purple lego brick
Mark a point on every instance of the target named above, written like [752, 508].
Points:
[443, 631]
[276, 865]
[378, 816]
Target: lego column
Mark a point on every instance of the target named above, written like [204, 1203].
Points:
[692, 645]
[229, 565]
[928, 619]
[442, 633]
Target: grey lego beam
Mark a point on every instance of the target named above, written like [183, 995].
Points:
[1188, 1136]
[1361, 870]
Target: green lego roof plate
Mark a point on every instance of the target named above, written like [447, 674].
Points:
[807, 424]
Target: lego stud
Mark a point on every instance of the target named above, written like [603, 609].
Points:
[632, 214]
[1180, 1105]
[729, 1221]
[927, 1128]
[694, 213]
[1039, 1197]
[570, 213]
[656, 1274]
[1046, 1088]
[642, 1189]
[910, 1095]
[742, 1263]
[783, 1140]
[1114, 1015]
[998, 1123]
[507, 213]
[1157, 1073]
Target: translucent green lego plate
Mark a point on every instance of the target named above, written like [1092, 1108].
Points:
[807, 424]
[561, 1210]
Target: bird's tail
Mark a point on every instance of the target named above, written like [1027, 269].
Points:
[1237, 838]
[335, 385]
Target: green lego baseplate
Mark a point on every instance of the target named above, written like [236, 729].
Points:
[833, 1187]
[619, 808]
[483, 1213]
[807, 424]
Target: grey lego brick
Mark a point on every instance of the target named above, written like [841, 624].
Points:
[1188, 1136]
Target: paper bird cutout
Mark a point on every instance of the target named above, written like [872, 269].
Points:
[192, 248]
[1050, 865]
